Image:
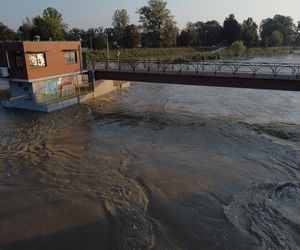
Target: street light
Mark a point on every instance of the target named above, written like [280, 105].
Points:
[107, 47]
[118, 55]
[80, 56]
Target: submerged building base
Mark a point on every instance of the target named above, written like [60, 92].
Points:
[101, 87]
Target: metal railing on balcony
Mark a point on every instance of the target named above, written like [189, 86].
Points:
[61, 95]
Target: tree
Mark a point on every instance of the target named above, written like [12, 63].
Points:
[25, 30]
[169, 34]
[50, 25]
[185, 38]
[149, 40]
[131, 36]
[210, 33]
[267, 26]
[249, 33]
[75, 34]
[284, 24]
[297, 41]
[155, 19]
[276, 38]
[188, 36]
[7, 34]
[93, 38]
[232, 30]
[111, 34]
[288, 25]
[120, 22]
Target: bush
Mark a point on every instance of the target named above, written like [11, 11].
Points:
[199, 57]
[238, 48]
[206, 56]
[180, 60]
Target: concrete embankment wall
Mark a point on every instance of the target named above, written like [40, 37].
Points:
[103, 87]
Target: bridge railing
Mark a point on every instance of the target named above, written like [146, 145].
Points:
[249, 69]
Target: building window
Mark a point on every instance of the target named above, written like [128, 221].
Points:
[37, 60]
[19, 61]
[70, 57]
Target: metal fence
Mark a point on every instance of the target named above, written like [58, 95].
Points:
[249, 69]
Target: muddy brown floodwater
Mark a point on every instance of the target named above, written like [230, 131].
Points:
[154, 167]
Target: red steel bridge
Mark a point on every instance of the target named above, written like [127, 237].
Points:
[235, 74]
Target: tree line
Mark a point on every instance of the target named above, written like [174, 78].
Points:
[158, 28]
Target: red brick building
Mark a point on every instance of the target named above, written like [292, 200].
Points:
[41, 73]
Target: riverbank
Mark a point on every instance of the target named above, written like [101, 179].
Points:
[195, 54]
[151, 53]
[259, 51]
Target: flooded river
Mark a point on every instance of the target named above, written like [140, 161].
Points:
[154, 167]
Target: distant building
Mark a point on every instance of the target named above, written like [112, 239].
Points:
[43, 76]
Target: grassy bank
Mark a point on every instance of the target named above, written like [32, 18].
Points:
[195, 54]
[252, 52]
[153, 53]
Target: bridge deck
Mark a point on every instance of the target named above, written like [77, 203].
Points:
[217, 74]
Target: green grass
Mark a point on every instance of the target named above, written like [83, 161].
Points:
[183, 54]
[150, 53]
[228, 53]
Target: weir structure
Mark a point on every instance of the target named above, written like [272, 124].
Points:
[254, 75]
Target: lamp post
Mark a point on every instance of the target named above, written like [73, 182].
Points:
[107, 47]
[118, 55]
[80, 56]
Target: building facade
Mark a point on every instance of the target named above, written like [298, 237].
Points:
[43, 76]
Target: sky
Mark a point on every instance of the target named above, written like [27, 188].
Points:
[98, 13]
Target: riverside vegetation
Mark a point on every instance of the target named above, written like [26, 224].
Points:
[237, 50]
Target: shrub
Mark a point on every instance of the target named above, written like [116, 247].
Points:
[199, 57]
[238, 48]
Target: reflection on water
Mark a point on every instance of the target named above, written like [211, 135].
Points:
[156, 166]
